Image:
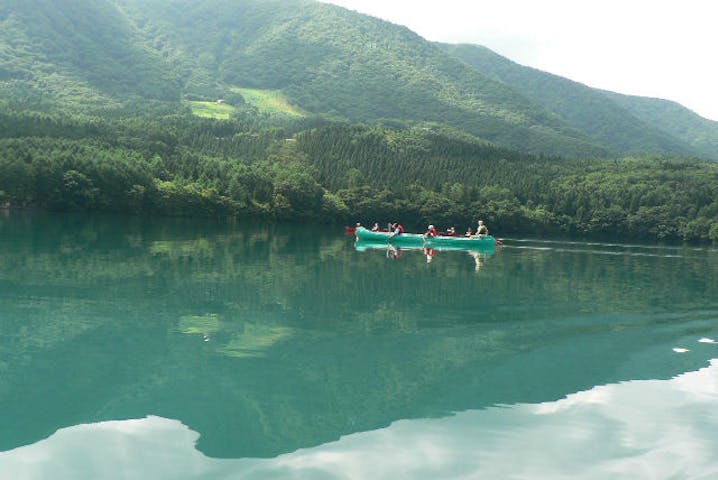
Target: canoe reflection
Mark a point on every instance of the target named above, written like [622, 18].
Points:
[480, 255]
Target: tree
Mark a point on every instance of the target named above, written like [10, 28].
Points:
[79, 191]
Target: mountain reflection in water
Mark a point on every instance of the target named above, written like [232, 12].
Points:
[268, 339]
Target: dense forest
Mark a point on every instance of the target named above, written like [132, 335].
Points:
[339, 172]
[111, 57]
[299, 110]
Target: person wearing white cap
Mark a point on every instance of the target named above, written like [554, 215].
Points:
[482, 229]
[430, 231]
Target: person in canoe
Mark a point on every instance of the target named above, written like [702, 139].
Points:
[430, 231]
[375, 228]
[451, 232]
[481, 229]
[396, 229]
[469, 232]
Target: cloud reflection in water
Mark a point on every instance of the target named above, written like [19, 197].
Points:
[640, 429]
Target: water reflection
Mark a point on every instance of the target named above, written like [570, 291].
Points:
[479, 255]
[620, 431]
[266, 340]
[602, 248]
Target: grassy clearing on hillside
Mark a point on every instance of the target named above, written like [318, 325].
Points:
[268, 101]
[220, 111]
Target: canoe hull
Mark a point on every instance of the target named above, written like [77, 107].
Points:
[416, 240]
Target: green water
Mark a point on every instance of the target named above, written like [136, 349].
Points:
[175, 348]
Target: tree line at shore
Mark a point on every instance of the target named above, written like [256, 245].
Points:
[338, 173]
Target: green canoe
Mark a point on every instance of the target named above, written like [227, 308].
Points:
[417, 240]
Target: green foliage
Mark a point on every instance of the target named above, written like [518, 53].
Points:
[91, 119]
[271, 102]
[442, 177]
[216, 110]
[291, 58]
[627, 124]
[675, 120]
[300, 60]
[78, 54]
[185, 165]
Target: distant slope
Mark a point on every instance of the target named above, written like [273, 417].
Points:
[129, 56]
[330, 61]
[77, 52]
[674, 119]
[598, 116]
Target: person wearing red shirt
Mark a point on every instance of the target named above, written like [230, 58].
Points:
[430, 231]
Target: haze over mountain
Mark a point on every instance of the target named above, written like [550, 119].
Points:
[626, 123]
[120, 55]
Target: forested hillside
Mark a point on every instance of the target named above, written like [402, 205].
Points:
[316, 113]
[330, 61]
[444, 177]
[674, 119]
[625, 123]
[182, 165]
[124, 57]
[70, 54]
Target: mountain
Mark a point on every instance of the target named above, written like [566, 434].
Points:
[626, 123]
[328, 60]
[674, 119]
[314, 59]
[75, 52]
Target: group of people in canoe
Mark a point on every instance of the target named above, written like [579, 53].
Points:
[396, 228]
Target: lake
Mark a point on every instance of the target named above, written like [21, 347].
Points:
[199, 349]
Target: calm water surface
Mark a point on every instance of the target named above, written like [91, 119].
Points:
[185, 349]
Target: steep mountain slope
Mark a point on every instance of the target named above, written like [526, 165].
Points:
[76, 52]
[596, 115]
[674, 119]
[123, 55]
[328, 60]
